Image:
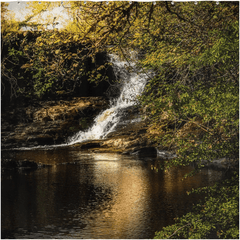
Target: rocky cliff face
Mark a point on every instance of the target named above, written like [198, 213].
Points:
[49, 122]
[52, 122]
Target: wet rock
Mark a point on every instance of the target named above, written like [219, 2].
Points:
[27, 164]
[52, 122]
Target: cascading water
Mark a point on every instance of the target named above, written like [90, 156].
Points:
[133, 84]
[106, 122]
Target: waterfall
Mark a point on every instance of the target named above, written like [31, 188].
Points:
[133, 84]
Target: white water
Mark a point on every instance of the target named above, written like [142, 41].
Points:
[106, 122]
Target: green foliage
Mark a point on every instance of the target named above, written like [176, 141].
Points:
[47, 63]
[215, 217]
[201, 102]
[192, 102]
[193, 108]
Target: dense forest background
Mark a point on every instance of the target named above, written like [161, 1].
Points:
[44, 65]
[193, 50]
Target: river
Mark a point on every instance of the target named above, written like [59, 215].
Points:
[92, 195]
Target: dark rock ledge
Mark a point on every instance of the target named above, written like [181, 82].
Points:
[49, 122]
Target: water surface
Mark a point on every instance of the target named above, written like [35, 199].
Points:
[90, 195]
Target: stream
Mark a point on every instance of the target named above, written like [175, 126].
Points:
[94, 195]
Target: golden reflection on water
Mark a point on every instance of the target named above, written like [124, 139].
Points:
[110, 159]
[129, 209]
[128, 205]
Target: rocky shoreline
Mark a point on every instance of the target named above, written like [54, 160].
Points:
[48, 122]
[52, 122]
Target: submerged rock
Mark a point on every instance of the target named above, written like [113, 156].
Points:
[9, 164]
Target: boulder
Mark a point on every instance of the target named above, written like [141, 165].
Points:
[145, 151]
